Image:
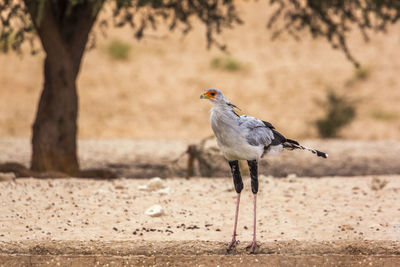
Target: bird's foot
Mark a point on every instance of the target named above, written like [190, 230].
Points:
[252, 247]
[232, 244]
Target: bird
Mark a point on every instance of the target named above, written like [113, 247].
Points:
[245, 138]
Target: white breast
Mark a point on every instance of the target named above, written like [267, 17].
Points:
[231, 139]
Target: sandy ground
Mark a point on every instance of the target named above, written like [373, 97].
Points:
[155, 92]
[305, 220]
[200, 209]
[201, 260]
[302, 221]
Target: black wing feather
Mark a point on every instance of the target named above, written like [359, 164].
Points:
[269, 125]
[278, 137]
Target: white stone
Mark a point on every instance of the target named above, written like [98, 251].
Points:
[155, 183]
[143, 187]
[164, 191]
[155, 211]
[101, 191]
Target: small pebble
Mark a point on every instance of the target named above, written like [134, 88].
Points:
[155, 211]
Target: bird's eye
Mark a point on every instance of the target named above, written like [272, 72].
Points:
[212, 93]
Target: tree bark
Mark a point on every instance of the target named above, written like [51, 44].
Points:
[55, 127]
[63, 35]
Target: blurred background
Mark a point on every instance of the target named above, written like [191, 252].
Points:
[149, 89]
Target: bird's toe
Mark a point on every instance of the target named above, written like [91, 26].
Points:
[252, 247]
[231, 245]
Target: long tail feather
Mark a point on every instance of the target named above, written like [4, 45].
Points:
[291, 144]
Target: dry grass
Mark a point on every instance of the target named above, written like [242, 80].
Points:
[154, 93]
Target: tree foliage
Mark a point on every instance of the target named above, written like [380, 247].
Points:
[16, 26]
[333, 19]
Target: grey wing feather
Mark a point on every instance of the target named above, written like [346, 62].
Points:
[257, 132]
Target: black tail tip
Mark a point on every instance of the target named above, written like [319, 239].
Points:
[321, 154]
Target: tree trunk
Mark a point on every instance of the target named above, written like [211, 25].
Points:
[63, 31]
[55, 127]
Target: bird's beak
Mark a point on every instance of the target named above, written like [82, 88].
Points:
[203, 96]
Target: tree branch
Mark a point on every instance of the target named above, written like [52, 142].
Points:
[47, 29]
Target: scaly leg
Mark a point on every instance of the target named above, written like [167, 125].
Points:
[253, 166]
[254, 244]
[237, 180]
[233, 243]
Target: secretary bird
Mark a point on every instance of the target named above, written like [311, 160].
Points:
[245, 138]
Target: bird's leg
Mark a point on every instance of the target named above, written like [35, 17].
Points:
[253, 166]
[254, 244]
[237, 180]
[233, 243]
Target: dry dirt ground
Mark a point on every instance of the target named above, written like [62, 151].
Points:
[302, 221]
[155, 92]
[331, 221]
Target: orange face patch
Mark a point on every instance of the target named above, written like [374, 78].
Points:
[211, 93]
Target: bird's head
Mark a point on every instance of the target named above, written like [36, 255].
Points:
[214, 95]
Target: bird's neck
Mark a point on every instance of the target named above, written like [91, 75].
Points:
[223, 112]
